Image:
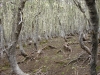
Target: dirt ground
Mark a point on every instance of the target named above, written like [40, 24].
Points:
[53, 59]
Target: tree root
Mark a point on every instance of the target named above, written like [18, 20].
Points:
[81, 57]
[30, 58]
[48, 47]
[39, 72]
[25, 59]
[24, 54]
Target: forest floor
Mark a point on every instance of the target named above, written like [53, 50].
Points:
[53, 59]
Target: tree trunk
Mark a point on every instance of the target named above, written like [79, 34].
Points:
[23, 53]
[94, 20]
[16, 28]
[12, 60]
[2, 42]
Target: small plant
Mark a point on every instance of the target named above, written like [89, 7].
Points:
[63, 73]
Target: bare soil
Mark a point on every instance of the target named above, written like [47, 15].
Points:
[53, 60]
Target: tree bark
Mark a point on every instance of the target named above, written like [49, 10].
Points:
[83, 46]
[23, 53]
[94, 20]
[16, 28]
[2, 36]
[1, 40]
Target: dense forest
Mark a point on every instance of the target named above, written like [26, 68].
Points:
[49, 37]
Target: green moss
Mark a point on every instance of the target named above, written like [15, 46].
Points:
[72, 41]
[58, 56]
[43, 42]
[61, 62]
[63, 73]
[98, 68]
[5, 67]
[24, 45]
[46, 59]
[44, 69]
[34, 71]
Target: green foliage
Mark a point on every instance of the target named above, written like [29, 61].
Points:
[4, 67]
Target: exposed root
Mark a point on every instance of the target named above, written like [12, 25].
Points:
[67, 47]
[30, 58]
[73, 43]
[49, 47]
[87, 59]
[59, 51]
[25, 60]
[52, 47]
[39, 72]
[24, 54]
[81, 57]
[61, 62]
[83, 46]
